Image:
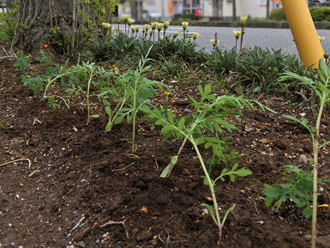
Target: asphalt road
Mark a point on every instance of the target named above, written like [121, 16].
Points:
[270, 38]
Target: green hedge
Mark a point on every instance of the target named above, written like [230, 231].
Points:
[278, 14]
[320, 14]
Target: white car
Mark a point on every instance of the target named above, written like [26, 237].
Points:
[151, 14]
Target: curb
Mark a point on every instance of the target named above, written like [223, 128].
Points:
[318, 25]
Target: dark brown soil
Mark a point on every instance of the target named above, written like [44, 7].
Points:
[86, 172]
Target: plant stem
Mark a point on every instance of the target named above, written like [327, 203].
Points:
[316, 148]
[211, 186]
[240, 49]
[134, 110]
[178, 154]
[87, 95]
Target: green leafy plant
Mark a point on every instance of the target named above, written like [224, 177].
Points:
[3, 125]
[277, 14]
[320, 14]
[23, 62]
[299, 190]
[207, 116]
[138, 90]
[36, 83]
[92, 71]
[321, 87]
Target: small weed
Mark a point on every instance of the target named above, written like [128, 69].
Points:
[3, 125]
[23, 62]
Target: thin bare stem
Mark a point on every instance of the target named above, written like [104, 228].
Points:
[178, 154]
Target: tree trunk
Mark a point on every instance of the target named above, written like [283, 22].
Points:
[133, 10]
[35, 20]
[267, 9]
[234, 10]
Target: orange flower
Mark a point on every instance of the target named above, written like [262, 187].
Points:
[45, 46]
[60, 69]
[114, 67]
[3, 30]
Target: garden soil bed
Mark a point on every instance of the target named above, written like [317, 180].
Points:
[85, 172]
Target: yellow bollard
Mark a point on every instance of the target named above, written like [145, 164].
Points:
[303, 31]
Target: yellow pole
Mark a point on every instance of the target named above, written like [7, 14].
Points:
[303, 31]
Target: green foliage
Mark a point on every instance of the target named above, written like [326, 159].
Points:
[115, 48]
[223, 61]
[261, 67]
[37, 84]
[91, 71]
[23, 62]
[299, 190]
[278, 14]
[8, 21]
[189, 16]
[103, 8]
[320, 14]
[3, 125]
[321, 87]
[210, 114]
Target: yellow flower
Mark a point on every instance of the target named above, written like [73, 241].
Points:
[166, 24]
[138, 28]
[321, 38]
[237, 34]
[130, 21]
[125, 17]
[185, 25]
[30, 55]
[146, 27]
[189, 40]
[160, 26]
[167, 93]
[151, 32]
[154, 25]
[106, 25]
[162, 37]
[133, 29]
[195, 35]
[243, 20]
[176, 34]
[214, 42]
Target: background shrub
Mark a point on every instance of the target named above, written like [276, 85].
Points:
[277, 14]
[320, 14]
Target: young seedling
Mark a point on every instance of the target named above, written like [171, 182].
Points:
[92, 71]
[321, 88]
[211, 116]
[137, 90]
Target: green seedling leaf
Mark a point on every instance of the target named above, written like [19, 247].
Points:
[108, 110]
[207, 89]
[119, 119]
[228, 211]
[174, 160]
[95, 116]
[268, 201]
[211, 212]
[171, 117]
[166, 129]
[242, 172]
[166, 171]
[34, 172]
[108, 126]
[181, 123]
